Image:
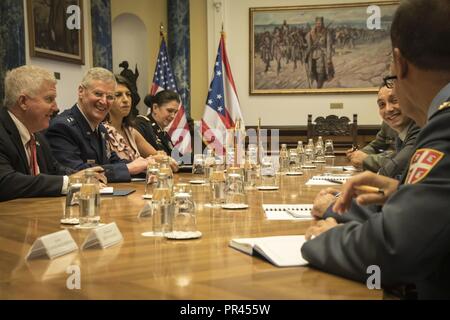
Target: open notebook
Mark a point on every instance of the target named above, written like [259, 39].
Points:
[282, 251]
[288, 211]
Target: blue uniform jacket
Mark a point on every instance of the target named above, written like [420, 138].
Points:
[75, 145]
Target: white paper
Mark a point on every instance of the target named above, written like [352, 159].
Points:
[282, 251]
[323, 180]
[107, 190]
[104, 236]
[342, 168]
[278, 211]
[53, 245]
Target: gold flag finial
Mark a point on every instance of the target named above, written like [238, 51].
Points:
[161, 30]
[222, 33]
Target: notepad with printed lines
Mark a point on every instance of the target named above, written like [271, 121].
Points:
[288, 211]
[331, 180]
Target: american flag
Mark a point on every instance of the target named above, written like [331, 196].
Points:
[164, 79]
[222, 104]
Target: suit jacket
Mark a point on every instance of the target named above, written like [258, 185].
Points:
[75, 145]
[15, 178]
[409, 237]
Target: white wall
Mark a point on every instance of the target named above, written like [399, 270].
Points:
[71, 74]
[274, 109]
[129, 38]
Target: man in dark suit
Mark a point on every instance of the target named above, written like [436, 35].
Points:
[408, 239]
[77, 137]
[27, 167]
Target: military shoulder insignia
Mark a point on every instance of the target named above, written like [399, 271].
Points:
[445, 105]
[422, 162]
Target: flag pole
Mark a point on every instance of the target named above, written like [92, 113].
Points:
[258, 141]
[222, 32]
[235, 142]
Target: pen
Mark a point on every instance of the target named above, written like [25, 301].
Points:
[363, 188]
[370, 189]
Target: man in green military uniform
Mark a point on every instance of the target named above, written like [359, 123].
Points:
[408, 239]
[394, 145]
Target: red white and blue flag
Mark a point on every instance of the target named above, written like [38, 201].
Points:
[164, 79]
[222, 104]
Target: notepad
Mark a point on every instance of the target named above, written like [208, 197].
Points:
[325, 180]
[281, 251]
[342, 168]
[288, 211]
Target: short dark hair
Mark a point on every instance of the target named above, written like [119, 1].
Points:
[161, 98]
[421, 30]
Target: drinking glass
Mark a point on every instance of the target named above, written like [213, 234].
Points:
[151, 179]
[267, 174]
[234, 189]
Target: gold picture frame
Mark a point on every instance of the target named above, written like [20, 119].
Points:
[49, 36]
[315, 49]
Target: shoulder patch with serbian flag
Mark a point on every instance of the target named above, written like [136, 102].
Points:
[421, 164]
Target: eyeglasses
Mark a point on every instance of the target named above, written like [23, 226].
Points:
[99, 94]
[389, 81]
[109, 96]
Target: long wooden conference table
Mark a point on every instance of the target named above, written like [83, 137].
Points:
[157, 268]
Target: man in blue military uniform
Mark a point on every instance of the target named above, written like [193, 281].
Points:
[409, 237]
[77, 137]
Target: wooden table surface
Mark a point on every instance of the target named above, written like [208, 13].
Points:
[155, 268]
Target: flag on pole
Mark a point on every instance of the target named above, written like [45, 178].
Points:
[164, 79]
[222, 104]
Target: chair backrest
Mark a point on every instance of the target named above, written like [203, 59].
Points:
[343, 132]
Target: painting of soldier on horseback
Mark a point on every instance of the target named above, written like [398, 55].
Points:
[318, 49]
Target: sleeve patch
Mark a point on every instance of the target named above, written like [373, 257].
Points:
[422, 162]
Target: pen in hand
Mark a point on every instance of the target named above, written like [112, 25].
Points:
[363, 188]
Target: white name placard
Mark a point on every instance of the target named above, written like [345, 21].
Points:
[53, 245]
[104, 236]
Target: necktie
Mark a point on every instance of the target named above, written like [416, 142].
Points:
[34, 167]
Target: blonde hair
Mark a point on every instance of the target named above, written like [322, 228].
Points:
[26, 79]
[97, 74]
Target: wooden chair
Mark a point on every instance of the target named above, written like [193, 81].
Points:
[339, 129]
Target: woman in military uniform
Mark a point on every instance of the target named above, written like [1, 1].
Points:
[163, 108]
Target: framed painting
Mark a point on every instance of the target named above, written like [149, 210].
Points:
[55, 29]
[338, 48]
